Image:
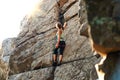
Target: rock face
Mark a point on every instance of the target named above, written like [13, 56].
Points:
[104, 32]
[104, 23]
[31, 56]
[5, 52]
[3, 70]
[42, 74]
[7, 47]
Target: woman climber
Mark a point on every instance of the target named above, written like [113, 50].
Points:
[59, 44]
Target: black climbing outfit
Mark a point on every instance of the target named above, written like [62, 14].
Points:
[61, 46]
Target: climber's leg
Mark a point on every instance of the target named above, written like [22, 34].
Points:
[60, 59]
[62, 47]
[55, 57]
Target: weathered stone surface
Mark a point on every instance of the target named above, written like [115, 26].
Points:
[104, 23]
[68, 4]
[42, 74]
[72, 11]
[34, 45]
[77, 70]
[5, 52]
[46, 14]
[32, 48]
[7, 46]
[81, 47]
[1, 52]
[83, 19]
[3, 70]
[61, 2]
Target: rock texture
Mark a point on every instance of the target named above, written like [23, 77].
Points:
[3, 70]
[8, 46]
[104, 23]
[104, 33]
[5, 52]
[42, 74]
[31, 56]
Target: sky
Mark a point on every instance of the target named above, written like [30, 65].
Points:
[11, 14]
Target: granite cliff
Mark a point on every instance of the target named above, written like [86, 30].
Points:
[29, 56]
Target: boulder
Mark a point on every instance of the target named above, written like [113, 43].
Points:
[104, 34]
[104, 26]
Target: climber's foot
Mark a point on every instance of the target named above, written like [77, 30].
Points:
[59, 63]
[54, 63]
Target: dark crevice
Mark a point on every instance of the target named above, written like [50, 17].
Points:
[69, 6]
[61, 13]
[72, 17]
[62, 19]
[52, 73]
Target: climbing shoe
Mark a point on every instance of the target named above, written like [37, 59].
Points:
[59, 63]
[54, 63]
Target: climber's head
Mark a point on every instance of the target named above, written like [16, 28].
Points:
[59, 25]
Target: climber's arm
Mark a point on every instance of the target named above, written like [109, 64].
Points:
[58, 39]
[65, 25]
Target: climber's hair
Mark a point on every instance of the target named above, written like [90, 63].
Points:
[59, 25]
